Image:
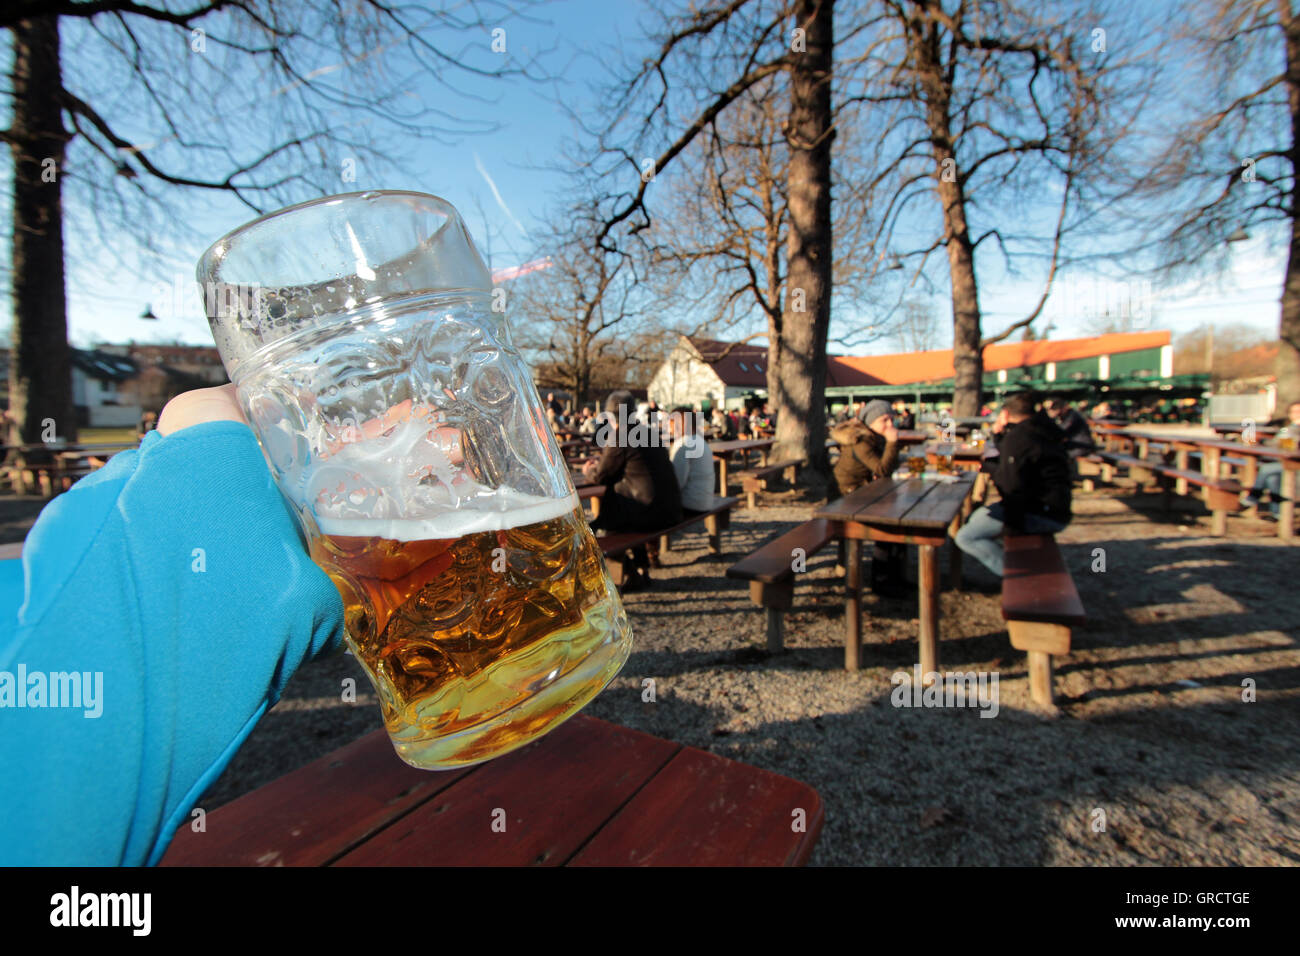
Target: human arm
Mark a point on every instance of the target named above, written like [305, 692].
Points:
[610, 466]
[176, 573]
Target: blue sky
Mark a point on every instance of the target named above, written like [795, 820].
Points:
[502, 185]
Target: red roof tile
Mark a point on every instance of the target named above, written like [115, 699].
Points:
[745, 365]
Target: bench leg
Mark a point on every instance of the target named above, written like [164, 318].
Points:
[665, 543]
[1040, 679]
[751, 500]
[714, 527]
[1286, 511]
[1041, 640]
[954, 567]
[775, 599]
[853, 604]
[615, 569]
[928, 587]
[775, 631]
[1219, 523]
[1180, 462]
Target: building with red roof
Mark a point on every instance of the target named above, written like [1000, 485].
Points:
[706, 370]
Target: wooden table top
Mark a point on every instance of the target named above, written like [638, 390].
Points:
[749, 444]
[589, 793]
[1234, 429]
[910, 503]
[1222, 444]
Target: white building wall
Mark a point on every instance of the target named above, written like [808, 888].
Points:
[683, 379]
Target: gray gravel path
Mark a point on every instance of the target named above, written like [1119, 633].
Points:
[1183, 772]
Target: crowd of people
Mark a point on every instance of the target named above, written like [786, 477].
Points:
[1031, 459]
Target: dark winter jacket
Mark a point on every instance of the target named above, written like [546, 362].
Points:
[1077, 433]
[645, 475]
[864, 455]
[1033, 471]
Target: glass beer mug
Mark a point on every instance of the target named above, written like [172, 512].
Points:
[405, 430]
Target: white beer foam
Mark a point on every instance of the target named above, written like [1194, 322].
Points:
[502, 510]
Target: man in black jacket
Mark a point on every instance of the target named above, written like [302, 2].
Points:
[1076, 432]
[1032, 473]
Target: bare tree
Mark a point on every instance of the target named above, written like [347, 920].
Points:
[983, 108]
[1229, 159]
[266, 102]
[718, 53]
[717, 254]
[918, 329]
[578, 318]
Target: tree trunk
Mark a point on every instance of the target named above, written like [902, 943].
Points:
[801, 355]
[40, 379]
[967, 356]
[1288, 354]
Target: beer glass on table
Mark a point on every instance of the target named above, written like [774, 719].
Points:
[944, 452]
[916, 463]
[369, 355]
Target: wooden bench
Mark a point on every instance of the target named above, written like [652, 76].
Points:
[756, 480]
[1221, 495]
[1040, 604]
[715, 520]
[770, 573]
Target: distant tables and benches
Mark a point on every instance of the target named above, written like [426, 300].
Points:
[1237, 429]
[1221, 493]
[723, 450]
[55, 467]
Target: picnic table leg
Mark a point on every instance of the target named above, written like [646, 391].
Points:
[722, 477]
[853, 604]
[595, 506]
[1180, 462]
[1286, 513]
[928, 588]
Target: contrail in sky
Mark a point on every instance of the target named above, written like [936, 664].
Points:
[497, 193]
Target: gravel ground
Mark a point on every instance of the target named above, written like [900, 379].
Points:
[1153, 731]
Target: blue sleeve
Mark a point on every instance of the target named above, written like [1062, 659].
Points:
[170, 595]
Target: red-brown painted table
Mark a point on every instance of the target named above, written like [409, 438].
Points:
[590, 793]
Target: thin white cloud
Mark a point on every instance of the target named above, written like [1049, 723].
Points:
[478, 163]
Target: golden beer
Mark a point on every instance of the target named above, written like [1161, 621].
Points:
[480, 643]
[916, 465]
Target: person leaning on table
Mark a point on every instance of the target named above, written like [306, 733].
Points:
[869, 450]
[1032, 474]
[177, 572]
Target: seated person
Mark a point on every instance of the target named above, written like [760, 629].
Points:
[1074, 427]
[723, 429]
[1032, 474]
[641, 487]
[587, 423]
[1269, 476]
[869, 450]
[868, 446]
[692, 462]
